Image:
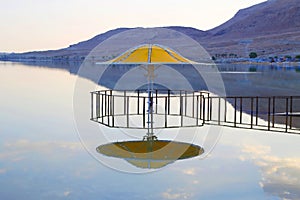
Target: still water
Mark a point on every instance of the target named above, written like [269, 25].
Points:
[42, 157]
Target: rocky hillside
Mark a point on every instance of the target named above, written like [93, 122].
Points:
[271, 17]
[271, 28]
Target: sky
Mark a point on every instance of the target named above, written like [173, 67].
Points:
[29, 25]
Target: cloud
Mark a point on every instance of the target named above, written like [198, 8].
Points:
[190, 171]
[280, 175]
[170, 194]
[29, 145]
[18, 150]
[67, 193]
[3, 171]
[256, 150]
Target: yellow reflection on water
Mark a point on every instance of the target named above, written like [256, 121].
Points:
[150, 154]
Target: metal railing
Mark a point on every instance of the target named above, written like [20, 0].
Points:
[128, 109]
[175, 109]
[276, 113]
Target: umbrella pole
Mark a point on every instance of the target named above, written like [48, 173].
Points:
[151, 85]
[150, 110]
[150, 77]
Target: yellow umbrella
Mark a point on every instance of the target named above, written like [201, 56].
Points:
[150, 153]
[150, 57]
[150, 54]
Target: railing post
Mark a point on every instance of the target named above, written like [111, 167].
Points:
[256, 111]
[127, 114]
[197, 111]
[138, 102]
[124, 102]
[193, 105]
[235, 107]
[241, 110]
[210, 108]
[219, 112]
[102, 108]
[156, 101]
[181, 109]
[185, 103]
[273, 117]
[251, 112]
[180, 104]
[105, 103]
[92, 106]
[286, 113]
[291, 111]
[207, 118]
[113, 110]
[201, 106]
[269, 113]
[109, 111]
[144, 112]
[225, 110]
[204, 114]
[166, 112]
[98, 105]
[108, 114]
[169, 97]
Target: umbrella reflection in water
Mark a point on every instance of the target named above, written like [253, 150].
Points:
[151, 154]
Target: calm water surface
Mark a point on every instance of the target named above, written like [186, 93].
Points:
[41, 156]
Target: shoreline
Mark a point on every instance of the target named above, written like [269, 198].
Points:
[242, 61]
[283, 64]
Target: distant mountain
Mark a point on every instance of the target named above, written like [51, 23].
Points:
[271, 17]
[269, 28]
[194, 33]
[92, 43]
[73, 52]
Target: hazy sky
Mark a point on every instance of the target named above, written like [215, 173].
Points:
[28, 25]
